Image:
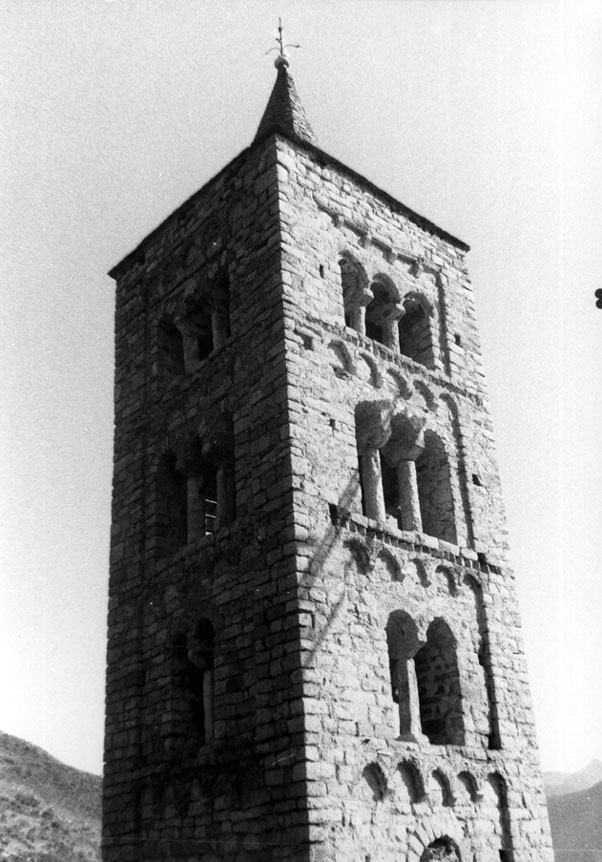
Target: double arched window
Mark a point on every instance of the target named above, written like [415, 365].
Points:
[404, 474]
[194, 658]
[425, 681]
[195, 493]
[201, 326]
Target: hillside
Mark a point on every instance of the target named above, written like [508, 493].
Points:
[576, 823]
[49, 812]
[558, 783]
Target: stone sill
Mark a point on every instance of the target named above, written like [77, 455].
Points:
[198, 547]
[387, 354]
[410, 541]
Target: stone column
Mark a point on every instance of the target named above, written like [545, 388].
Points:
[208, 703]
[358, 314]
[373, 429]
[405, 445]
[410, 728]
[195, 509]
[390, 329]
[190, 345]
[372, 484]
[219, 326]
[357, 321]
[225, 494]
[409, 502]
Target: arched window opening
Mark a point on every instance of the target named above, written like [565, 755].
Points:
[387, 446]
[171, 349]
[415, 340]
[202, 495]
[222, 455]
[173, 505]
[390, 482]
[193, 678]
[199, 326]
[370, 435]
[438, 683]
[494, 742]
[375, 781]
[402, 644]
[441, 850]
[433, 476]
[355, 296]
[211, 489]
[201, 649]
[218, 472]
[209, 483]
[226, 491]
[221, 315]
[439, 789]
[365, 482]
[226, 305]
[412, 786]
[494, 808]
[380, 315]
[467, 786]
[485, 701]
[399, 470]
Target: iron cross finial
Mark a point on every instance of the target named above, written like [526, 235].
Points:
[281, 59]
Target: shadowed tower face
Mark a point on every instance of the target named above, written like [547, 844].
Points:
[314, 652]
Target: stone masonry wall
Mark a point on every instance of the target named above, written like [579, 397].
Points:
[181, 783]
[377, 786]
[294, 674]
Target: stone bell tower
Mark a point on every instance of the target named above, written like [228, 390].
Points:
[314, 647]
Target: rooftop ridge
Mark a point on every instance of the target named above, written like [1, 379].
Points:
[420, 220]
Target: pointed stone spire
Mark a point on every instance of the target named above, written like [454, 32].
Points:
[284, 111]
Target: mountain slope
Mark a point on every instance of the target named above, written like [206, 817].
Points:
[557, 783]
[576, 823]
[49, 812]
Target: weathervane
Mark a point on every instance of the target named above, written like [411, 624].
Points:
[281, 59]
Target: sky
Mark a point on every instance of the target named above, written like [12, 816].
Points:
[483, 115]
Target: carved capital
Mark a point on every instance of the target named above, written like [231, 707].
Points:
[407, 437]
[373, 424]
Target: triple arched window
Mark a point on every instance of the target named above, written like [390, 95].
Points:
[373, 309]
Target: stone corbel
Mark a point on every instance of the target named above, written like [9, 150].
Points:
[418, 266]
[428, 567]
[362, 554]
